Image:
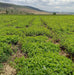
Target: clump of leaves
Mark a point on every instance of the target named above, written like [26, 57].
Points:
[44, 64]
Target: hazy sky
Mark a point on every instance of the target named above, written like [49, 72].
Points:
[48, 5]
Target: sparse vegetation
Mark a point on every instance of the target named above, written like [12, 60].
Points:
[6, 8]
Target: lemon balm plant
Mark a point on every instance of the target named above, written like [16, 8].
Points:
[38, 38]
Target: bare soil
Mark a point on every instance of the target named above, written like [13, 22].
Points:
[64, 54]
[8, 70]
[49, 39]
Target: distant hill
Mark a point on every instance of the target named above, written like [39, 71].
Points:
[6, 8]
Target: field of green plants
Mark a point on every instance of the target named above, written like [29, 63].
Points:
[37, 44]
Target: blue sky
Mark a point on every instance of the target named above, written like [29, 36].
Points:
[48, 5]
